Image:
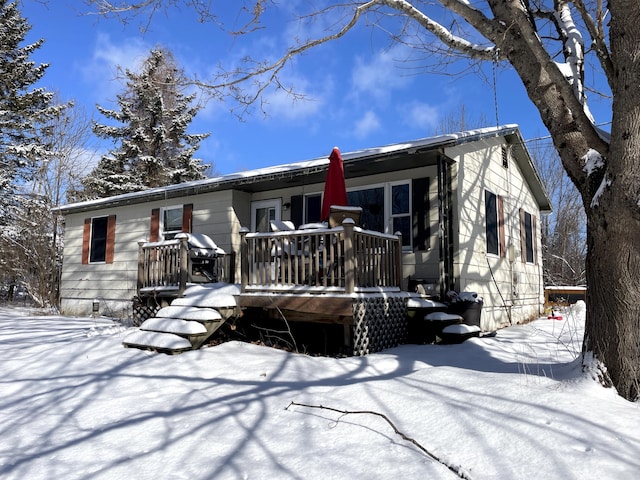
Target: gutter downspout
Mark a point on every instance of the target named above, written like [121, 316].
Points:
[445, 226]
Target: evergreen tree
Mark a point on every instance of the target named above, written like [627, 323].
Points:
[154, 148]
[24, 109]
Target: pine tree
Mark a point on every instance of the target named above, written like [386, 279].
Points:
[153, 146]
[25, 118]
[24, 109]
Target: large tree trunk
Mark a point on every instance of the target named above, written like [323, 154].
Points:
[613, 280]
[613, 261]
[613, 218]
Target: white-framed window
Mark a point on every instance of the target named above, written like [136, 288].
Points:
[385, 207]
[312, 208]
[170, 221]
[98, 239]
[98, 244]
[263, 211]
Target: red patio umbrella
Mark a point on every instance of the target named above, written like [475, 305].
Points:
[335, 191]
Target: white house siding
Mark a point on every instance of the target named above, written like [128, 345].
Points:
[477, 166]
[511, 291]
[114, 285]
[214, 215]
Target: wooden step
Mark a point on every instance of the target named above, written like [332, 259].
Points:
[176, 326]
[157, 341]
[444, 317]
[189, 313]
[459, 333]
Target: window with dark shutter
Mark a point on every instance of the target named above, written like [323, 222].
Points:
[98, 239]
[167, 222]
[313, 208]
[527, 236]
[491, 227]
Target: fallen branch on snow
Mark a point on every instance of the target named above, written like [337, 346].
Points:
[457, 470]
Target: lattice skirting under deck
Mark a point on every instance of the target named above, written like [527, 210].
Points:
[144, 308]
[378, 323]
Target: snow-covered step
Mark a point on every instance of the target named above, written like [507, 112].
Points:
[218, 296]
[174, 325]
[189, 313]
[458, 333]
[424, 303]
[166, 342]
[444, 317]
[462, 329]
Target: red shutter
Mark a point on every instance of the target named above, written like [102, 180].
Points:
[503, 249]
[154, 234]
[86, 241]
[111, 238]
[187, 215]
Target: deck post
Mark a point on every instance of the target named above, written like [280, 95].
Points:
[244, 259]
[349, 256]
[184, 263]
[140, 265]
[398, 260]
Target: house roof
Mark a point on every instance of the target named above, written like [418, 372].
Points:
[412, 154]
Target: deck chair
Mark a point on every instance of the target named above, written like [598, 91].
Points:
[282, 226]
[284, 249]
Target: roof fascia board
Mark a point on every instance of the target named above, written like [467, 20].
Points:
[292, 170]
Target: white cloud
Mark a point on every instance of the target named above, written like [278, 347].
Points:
[108, 55]
[379, 76]
[281, 104]
[367, 124]
[421, 115]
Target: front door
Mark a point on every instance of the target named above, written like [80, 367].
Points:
[262, 212]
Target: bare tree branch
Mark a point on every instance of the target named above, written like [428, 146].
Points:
[454, 468]
[596, 31]
[471, 15]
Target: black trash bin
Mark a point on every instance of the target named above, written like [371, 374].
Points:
[469, 307]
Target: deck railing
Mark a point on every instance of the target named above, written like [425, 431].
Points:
[164, 267]
[342, 259]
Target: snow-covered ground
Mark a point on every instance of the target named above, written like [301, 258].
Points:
[75, 404]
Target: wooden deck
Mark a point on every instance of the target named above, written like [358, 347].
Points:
[342, 275]
[165, 268]
[344, 259]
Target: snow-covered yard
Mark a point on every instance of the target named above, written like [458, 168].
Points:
[75, 404]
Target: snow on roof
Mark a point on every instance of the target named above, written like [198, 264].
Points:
[566, 287]
[299, 167]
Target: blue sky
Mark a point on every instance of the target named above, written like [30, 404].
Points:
[360, 92]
